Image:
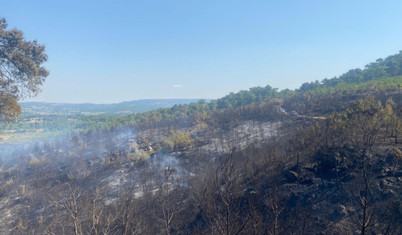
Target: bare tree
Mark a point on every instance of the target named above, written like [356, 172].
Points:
[71, 200]
[222, 199]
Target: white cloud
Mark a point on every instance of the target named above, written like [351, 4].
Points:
[177, 86]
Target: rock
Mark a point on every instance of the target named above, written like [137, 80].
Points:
[339, 213]
[291, 176]
[311, 167]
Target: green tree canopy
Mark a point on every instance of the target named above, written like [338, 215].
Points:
[21, 73]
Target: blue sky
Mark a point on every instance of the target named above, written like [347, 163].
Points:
[112, 51]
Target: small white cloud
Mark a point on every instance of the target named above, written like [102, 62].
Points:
[177, 86]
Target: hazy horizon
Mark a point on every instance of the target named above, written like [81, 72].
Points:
[124, 101]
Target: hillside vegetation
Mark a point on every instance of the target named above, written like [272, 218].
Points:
[323, 159]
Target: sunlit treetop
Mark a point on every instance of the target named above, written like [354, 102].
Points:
[21, 73]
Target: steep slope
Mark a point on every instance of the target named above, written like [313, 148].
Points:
[322, 161]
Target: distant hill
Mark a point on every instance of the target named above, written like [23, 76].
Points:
[40, 120]
[128, 107]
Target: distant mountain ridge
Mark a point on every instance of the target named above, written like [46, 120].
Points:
[127, 107]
